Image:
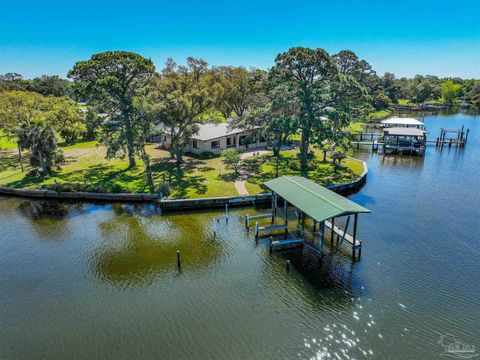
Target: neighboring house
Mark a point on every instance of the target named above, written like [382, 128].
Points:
[217, 137]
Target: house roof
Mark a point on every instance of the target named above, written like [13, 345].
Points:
[404, 131]
[213, 131]
[402, 121]
[316, 201]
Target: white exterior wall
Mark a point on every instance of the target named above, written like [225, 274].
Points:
[206, 145]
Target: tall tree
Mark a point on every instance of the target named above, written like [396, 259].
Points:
[390, 86]
[324, 86]
[12, 81]
[238, 87]
[61, 114]
[181, 96]
[450, 90]
[111, 81]
[40, 138]
[275, 114]
[51, 85]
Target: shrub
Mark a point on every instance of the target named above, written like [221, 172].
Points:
[205, 155]
[295, 165]
[164, 189]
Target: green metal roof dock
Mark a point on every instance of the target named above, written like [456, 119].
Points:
[320, 204]
[314, 200]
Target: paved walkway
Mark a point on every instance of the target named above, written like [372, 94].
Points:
[242, 174]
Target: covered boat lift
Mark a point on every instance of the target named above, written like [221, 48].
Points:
[316, 202]
[404, 139]
[402, 122]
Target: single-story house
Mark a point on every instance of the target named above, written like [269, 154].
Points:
[215, 137]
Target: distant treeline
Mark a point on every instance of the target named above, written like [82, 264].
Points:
[384, 90]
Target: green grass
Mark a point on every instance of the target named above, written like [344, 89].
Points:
[357, 127]
[379, 115]
[263, 167]
[405, 102]
[87, 169]
[6, 142]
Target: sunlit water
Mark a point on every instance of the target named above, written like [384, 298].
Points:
[100, 281]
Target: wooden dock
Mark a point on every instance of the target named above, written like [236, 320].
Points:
[259, 229]
[343, 235]
[285, 244]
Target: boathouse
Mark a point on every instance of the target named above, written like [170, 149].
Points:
[402, 122]
[404, 139]
[315, 202]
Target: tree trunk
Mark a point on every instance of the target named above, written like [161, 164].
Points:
[44, 165]
[148, 171]
[131, 155]
[277, 163]
[305, 141]
[172, 145]
[324, 156]
[20, 155]
[179, 156]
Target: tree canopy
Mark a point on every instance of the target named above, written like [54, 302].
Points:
[110, 81]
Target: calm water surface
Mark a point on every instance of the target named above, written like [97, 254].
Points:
[100, 281]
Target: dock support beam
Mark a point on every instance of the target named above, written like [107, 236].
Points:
[332, 234]
[354, 236]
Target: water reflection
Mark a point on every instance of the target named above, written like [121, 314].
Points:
[135, 250]
[43, 216]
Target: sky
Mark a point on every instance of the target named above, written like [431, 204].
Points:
[406, 37]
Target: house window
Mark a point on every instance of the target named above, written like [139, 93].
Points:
[243, 140]
[215, 144]
[231, 142]
[195, 144]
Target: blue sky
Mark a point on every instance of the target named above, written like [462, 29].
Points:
[404, 37]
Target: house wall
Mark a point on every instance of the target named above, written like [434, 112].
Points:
[203, 146]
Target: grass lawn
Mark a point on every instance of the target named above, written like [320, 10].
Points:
[6, 143]
[86, 169]
[405, 102]
[356, 127]
[379, 115]
[263, 169]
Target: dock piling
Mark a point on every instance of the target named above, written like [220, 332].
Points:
[179, 265]
[288, 266]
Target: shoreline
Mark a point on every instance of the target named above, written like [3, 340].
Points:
[171, 204]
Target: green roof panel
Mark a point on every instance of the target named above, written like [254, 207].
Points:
[315, 200]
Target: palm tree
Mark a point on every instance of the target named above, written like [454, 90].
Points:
[37, 136]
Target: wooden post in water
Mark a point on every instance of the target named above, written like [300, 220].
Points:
[288, 266]
[257, 225]
[332, 232]
[226, 213]
[354, 235]
[322, 233]
[303, 222]
[271, 245]
[179, 265]
[274, 206]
